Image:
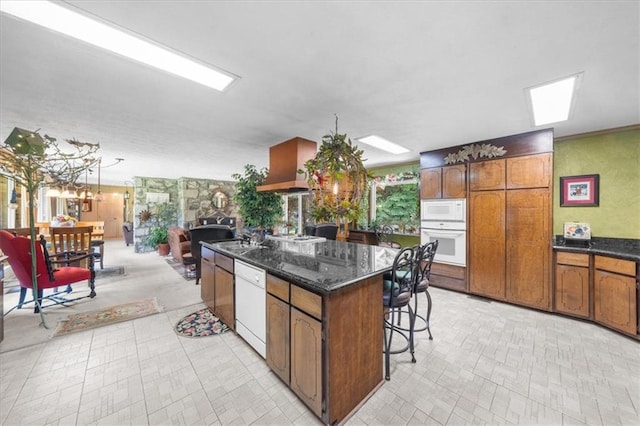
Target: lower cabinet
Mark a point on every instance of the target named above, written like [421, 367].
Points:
[207, 277]
[278, 337]
[224, 297]
[294, 340]
[318, 344]
[614, 292]
[306, 359]
[599, 288]
[572, 294]
[216, 285]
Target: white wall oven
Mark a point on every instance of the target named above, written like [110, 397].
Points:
[445, 221]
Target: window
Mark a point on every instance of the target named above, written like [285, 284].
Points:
[395, 201]
[295, 214]
[397, 205]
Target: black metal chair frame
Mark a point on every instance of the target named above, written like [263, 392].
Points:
[395, 298]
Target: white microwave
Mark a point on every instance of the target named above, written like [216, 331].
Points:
[452, 210]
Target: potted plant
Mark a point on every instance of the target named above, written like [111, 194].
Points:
[260, 210]
[158, 237]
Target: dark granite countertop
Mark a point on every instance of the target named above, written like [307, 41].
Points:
[622, 248]
[321, 267]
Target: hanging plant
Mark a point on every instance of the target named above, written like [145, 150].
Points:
[337, 179]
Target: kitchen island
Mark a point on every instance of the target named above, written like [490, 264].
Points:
[323, 314]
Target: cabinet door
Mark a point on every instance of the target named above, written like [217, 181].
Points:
[454, 181]
[531, 171]
[278, 347]
[487, 243]
[572, 290]
[487, 175]
[528, 273]
[207, 282]
[224, 297]
[615, 301]
[431, 183]
[306, 359]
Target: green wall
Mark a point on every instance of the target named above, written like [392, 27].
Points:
[616, 158]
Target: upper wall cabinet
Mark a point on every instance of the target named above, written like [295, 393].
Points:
[487, 175]
[531, 171]
[443, 182]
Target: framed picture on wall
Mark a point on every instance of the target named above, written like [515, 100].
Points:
[579, 191]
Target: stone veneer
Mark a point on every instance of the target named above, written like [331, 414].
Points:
[192, 198]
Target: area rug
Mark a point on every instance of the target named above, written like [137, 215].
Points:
[106, 316]
[179, 268]
[200, 324]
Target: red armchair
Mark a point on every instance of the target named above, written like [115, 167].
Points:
[18, 250]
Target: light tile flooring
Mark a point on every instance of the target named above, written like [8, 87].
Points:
[489, 363]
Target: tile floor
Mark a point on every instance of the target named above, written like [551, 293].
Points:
[489, 363]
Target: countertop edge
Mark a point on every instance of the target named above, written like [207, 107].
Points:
[603, 252]
[292, 277]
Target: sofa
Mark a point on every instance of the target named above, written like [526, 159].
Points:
[179, 243]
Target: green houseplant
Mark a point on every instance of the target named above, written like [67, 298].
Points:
[158, 234]
[257, 209]
[337, 180]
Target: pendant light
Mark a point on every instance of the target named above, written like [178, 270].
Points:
[98, 196]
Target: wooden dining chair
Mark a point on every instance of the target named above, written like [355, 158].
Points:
[71, 239]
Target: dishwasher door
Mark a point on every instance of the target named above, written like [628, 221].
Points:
[251, 305]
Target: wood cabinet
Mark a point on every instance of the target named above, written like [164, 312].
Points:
[326, 347]
[294, 340]
[306, 359]
[217, 285]
[444, 182]
[614, 293]
[452, 277]
[510, 230]
[572, 284]
[487, 175]
[224, 296]
[278, 327]
[207, 277]
[528, 247]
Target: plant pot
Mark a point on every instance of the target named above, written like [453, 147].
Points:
[163, 249]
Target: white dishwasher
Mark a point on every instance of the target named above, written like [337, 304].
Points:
[250, 305]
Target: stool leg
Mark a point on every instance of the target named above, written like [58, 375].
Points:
[102, 256]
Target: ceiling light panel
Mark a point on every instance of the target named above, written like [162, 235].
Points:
[81, 27]
[553, 102]
[383, 144]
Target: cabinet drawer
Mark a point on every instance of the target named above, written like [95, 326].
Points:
[620, 266]
[574, 259]
[208, 254]
[452, 271]
[278, 287]
[225, 262]
[306, 301]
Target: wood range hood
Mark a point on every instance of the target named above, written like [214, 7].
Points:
[285, 159]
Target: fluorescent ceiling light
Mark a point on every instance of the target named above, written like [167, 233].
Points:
[552, 102]
[76, 25]
[383, 144]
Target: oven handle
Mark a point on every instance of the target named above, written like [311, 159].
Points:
[444, 234]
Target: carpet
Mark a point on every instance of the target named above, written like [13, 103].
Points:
[199, 324]
[179, 268]
[106, 316]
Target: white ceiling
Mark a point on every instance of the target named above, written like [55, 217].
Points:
[424, 74]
